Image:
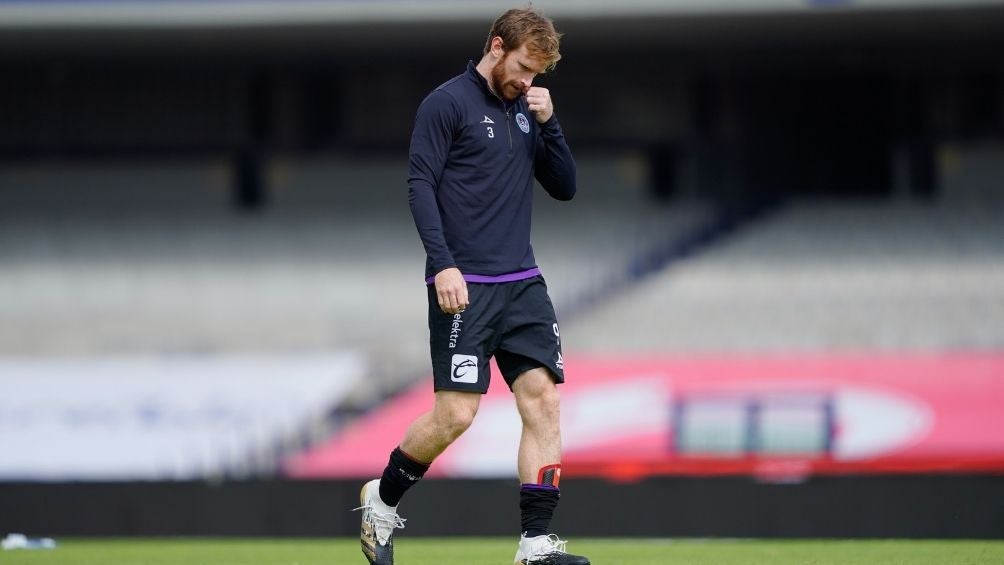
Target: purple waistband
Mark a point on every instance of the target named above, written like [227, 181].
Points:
[488, 279]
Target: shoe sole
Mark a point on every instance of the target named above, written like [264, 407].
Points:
[369, 548]
[523, 561]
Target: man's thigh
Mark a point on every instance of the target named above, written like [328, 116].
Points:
[461, 344]
[532, 338]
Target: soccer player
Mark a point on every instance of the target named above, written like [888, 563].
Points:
[479, 141]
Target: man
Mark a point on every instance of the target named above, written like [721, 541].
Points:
[479, 141]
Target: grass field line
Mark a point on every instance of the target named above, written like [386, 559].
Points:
[477, 551]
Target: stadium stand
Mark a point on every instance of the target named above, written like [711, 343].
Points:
[131, 266]
[822, 275]
[153, 257]
[208, 270]
[333, 261]
[590, 245]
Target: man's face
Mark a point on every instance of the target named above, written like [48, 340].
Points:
[513, 73]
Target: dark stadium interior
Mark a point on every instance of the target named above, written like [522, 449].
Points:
[777, 97]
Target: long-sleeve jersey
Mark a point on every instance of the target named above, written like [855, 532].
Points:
[473, 159]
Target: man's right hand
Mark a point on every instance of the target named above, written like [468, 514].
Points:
[451, 290]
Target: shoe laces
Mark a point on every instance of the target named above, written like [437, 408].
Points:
[388, 520]
[550, 544]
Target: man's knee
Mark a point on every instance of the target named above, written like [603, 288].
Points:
[537, 395]
[455, 411]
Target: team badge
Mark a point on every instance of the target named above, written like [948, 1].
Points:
[522, 122]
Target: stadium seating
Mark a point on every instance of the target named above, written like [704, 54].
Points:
[103, 261]
[591, 245]
[822, 276]
[153, 257]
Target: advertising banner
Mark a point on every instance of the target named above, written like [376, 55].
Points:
[778, 417]
[175, 417]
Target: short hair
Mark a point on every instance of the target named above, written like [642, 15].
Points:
[527, 25]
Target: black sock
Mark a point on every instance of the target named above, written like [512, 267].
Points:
[536, 505]
[400, 474]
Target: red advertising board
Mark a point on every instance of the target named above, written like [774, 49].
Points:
[779, 417]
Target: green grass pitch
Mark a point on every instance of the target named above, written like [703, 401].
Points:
[477, 551]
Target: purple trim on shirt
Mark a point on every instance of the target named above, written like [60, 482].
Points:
[490, 279]
[531, 486]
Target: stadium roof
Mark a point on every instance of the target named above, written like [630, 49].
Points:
[215, 13]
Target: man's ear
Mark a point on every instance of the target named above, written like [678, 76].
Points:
[498, 48]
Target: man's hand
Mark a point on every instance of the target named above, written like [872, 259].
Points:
[451, 291]
[538, 99]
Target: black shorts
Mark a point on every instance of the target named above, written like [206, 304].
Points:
[513, 321]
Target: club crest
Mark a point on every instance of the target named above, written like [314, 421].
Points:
[522, 122]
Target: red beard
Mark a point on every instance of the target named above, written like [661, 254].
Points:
[499, 85]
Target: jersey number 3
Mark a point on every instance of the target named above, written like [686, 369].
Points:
[491, 132]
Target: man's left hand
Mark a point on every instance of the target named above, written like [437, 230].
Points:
[538, 99]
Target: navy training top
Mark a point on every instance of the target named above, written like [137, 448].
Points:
[473, 159]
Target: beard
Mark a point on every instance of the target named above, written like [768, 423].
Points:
[499, 84]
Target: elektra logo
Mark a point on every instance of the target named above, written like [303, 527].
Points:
[455, 330]
[465, 369]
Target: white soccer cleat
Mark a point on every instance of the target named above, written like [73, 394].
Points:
[376, 535]
[545, 550]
